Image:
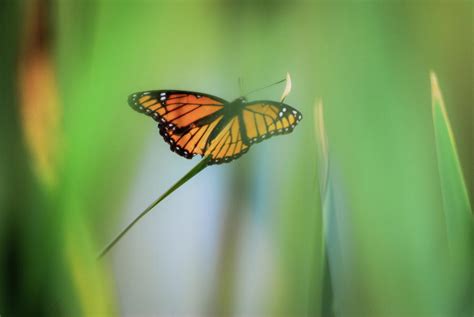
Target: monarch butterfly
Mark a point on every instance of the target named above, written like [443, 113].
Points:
[196, 123]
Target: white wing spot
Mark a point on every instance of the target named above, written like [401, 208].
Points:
[284, 109]
[280, 114]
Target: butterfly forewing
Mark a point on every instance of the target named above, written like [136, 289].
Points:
[264, 119]
[185, 119]
[179, 108]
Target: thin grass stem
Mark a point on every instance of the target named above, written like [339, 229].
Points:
[194, 171]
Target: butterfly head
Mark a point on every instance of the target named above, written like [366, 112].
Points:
[240, 101]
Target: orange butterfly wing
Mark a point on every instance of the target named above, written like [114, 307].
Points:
[264, 119]
[185, 119]
[229, 144]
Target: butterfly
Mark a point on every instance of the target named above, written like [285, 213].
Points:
[195, 123]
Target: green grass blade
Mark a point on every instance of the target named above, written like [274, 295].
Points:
[456, 205]
[322, 148]
[327, 296]
[193, 172]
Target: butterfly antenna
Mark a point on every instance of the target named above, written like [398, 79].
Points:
[251, 92]
[241, 90]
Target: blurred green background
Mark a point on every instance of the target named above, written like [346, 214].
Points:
[388, 234]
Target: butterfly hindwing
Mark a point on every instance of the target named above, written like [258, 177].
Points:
[228, 144]
[191, 141]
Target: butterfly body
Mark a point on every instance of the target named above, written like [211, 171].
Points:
[197, 123]
[228, 113]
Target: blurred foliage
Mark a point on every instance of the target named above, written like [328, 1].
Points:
[381, 225]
